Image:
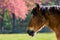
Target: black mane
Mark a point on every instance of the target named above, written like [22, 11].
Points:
[43, 10]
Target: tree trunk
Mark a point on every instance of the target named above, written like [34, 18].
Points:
[14, 23]
[2, 21]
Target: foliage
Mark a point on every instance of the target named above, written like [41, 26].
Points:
[7, 21]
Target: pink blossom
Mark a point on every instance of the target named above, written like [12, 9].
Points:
[18, 7]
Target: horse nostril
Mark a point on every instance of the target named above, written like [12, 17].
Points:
[31, 32]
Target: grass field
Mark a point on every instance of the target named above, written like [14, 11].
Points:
[39, 36]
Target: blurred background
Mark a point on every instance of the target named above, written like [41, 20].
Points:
[10, 24]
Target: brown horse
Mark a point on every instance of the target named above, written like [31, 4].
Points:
[45, 16]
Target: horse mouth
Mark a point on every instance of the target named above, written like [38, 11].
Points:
[31, 33]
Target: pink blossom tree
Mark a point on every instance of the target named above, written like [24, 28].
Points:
[18, 7]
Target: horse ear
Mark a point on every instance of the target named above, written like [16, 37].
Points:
[37, 5]
[35, 9]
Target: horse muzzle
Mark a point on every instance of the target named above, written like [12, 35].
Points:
[30, 32]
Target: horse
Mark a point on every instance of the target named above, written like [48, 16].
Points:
[44, 16]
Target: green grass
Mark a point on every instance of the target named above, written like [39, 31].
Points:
[39, 36]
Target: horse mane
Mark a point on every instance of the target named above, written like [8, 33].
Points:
[55, 10]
